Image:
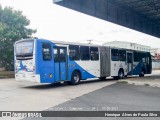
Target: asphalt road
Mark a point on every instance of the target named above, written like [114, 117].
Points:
[116, 97]
[119, 97]
[24, 96]
[90, 95]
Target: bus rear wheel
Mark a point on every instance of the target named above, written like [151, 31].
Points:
[121, 74]
[75, 79]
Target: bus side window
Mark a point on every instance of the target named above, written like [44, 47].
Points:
[55, 51]
[129, 58]
[62, 55]
[74, 52]
[84, 50]
[137, 57]
[46, 51]
[115, 56]
[94, 53]
[122, 55]
[143, 59]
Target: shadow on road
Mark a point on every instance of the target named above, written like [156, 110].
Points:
[58, 85]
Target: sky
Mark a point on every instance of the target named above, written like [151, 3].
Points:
[58, 23]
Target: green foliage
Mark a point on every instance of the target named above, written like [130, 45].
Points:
[12, 28]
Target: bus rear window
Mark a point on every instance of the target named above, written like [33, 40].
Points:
[24, 48]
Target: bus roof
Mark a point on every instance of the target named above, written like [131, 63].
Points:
[75, 43]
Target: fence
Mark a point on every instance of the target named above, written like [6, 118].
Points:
[156, 64]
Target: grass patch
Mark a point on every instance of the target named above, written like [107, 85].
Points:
[6, 74]
[126, 82]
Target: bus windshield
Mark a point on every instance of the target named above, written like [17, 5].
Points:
[24, 48]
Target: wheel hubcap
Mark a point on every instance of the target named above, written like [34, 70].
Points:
[121, 75]
[76, 78]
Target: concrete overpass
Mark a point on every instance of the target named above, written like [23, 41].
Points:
[140, 15]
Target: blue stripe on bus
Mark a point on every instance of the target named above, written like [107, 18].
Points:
[72, 65]
[46, 79]
[137, 69]
[46, 68]
[23, 67]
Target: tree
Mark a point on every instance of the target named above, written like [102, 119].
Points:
[13, 27]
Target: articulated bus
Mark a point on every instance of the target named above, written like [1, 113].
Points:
[45, 61]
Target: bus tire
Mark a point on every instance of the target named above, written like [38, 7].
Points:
[141, 74]
[75, 79]
[121, 74]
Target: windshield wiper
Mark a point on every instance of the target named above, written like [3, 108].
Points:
[24, 58]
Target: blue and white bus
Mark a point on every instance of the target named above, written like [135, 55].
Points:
[45, 61]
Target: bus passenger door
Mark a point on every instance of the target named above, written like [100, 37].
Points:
[60, 63]
[130, 63]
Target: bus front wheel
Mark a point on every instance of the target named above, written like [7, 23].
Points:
[75, 79]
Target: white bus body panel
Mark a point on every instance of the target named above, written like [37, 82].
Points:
[25, 70]
[92, 67]
[116, 66]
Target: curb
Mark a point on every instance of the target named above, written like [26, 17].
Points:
[146, 83]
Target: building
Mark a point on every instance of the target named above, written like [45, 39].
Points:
[128, 45]
[155, 52]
